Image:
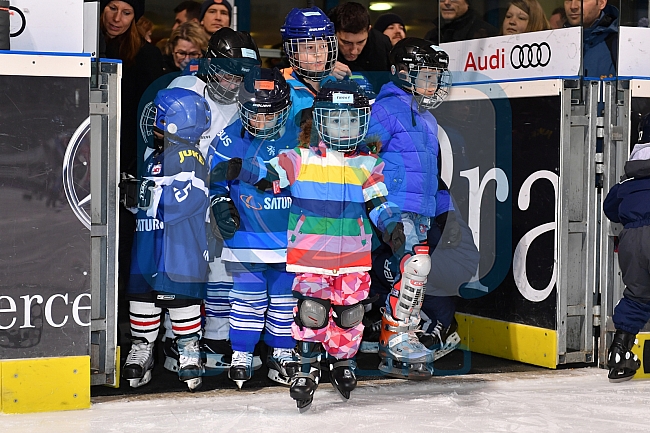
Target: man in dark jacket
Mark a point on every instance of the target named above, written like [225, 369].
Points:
[628, 203]
[361, 48]
[459, 23]
[600, 34]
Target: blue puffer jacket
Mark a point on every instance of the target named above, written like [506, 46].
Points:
[628, 202]
[410, 150]
[598, 60]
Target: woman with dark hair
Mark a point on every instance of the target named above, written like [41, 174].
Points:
[142, 63]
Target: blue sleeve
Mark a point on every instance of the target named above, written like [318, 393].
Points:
[180, 200]
[443, 202]
[219, 188]
[611, 204]
[380, 125]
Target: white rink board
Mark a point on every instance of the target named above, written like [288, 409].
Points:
[634, 52]
[44, 65]
[546, 54]
[50, 26]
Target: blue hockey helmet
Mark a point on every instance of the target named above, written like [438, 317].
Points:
[644, 129]
[230, 56]
[182, 115]
[341, 114]
[421, 68]
[264, 102]
[310, 42]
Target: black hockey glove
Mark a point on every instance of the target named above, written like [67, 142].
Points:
[394, 236]
[136, 192]
[225, 216]
[226, 170]
[450, 229]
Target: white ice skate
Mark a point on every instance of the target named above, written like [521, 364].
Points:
[283, 365]
[241, 367]
[191, 367]
[139, 363]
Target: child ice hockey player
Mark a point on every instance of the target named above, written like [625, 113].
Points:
[409, 136]
[170, 266]
[628, 203]
[336, 192]
[253, 224]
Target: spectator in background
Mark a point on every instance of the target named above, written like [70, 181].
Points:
[215, 14]
[459, 23]
[524, 16]
[187, 41]
[186, 11]
[557, 18]
[141, 64]
[361, 48]
[145, 27]
[391, 25]
[600, 34]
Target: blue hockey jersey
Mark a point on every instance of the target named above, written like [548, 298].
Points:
[180, 202]
[262, 235]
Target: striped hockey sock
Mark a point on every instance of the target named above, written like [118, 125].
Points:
[186, 320]
[145, 320]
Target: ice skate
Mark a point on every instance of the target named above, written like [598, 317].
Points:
[139, 363]
[622, 363]
[342, 377]
[370, 339]
[441, 340]
[305, 382]
[241, 367]
[402, 353]
[283, 365]
[170, 350]
[190, 365]
[216, 354]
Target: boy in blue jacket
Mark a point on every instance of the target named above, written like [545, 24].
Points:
[401, 121]
[628, 203]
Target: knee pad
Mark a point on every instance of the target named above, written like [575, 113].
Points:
[312, 313]
[348, 316]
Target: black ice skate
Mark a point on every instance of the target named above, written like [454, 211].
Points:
[441, 340]
[139, 363]
[305, 382]
[342, 377]
[370, 339]
[241, 367]
[283, 365]
[190, 365]
[170, 350]
[622, 363]
[216, 354]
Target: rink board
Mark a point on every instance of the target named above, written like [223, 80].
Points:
[508, 340]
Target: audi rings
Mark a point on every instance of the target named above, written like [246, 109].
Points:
[530, 55]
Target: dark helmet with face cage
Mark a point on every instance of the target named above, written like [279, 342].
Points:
[264, 92]
[341, 114]
[230, 56]
[412, 56]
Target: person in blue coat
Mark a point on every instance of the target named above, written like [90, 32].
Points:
[253, 223]
[400, 120]
[170, 263]
[600, 35]
[628, 203]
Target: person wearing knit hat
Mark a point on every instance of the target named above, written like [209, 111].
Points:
[215, 14]
[137, 5]
[392, 25]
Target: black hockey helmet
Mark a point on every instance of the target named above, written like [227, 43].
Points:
[341, 114]
[230, 56]
[421, 68]
[264, 102]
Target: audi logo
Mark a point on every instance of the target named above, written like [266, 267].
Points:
[530, 56]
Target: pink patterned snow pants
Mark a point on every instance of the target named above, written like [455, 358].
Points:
[346, 289]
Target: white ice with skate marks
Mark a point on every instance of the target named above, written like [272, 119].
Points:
[547, 401]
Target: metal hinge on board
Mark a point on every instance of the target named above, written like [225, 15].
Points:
[596, 313]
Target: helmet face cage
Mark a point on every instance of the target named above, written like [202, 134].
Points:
[429, 85]
[343, 127]
[147, 120]
[261, 123]
[312, 58]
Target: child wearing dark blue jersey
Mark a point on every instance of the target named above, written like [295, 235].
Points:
[169, 268]
[253, 224]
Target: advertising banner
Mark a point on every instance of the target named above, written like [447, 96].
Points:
[546, 54]
[506, 159]
[47, 26]
[44, 246]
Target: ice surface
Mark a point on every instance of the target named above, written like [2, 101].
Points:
[548, 401]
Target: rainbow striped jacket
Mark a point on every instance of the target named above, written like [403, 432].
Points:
[335, 197]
